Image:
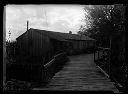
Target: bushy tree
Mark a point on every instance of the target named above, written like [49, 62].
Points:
[108, 29]
[104, 21]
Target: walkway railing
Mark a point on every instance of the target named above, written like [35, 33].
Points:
[36, 72]
[102, 58]
[54, 65]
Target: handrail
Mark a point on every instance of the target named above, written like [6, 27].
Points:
[51, 61]
[53, 66]
[98, 49]
[103, 48]
[102, 57]
[59, 54]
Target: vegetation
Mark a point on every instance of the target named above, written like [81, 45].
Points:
[11, 51]
[107, 27]
[104, 20]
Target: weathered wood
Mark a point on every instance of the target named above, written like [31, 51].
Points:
[25, 72]
[80, 73]
[4, 54]
[98, 54]
[54, 65]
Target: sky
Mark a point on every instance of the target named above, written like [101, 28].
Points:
[58, 18]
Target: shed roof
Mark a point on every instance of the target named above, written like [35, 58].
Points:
[62, 36]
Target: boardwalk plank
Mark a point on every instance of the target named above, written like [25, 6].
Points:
[80, 73]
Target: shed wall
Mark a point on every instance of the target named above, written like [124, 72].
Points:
[40, 44]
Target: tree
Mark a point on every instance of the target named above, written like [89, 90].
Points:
[108, 24]
[104, 19]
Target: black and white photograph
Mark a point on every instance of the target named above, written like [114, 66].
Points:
[64, 47]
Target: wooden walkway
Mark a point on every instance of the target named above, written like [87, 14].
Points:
[80, 73]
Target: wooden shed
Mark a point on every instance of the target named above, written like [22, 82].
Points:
[41, 53]
[42, 45]
[39, 45]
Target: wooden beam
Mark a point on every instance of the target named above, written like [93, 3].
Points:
[27, 25]
[4, 51]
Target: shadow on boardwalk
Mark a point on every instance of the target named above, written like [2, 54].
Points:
[80, 73]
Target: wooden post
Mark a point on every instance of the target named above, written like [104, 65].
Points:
[94, 56]
[4, 52]
[27, 25]
[103, 54]
[110, 58]
[4, 63]
[98, 54]
[94, 51]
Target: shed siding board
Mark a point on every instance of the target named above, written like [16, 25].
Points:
[41, 44]
[31, 44]
[23, 43]
[80, 45]
[91, 43]
[87, 44]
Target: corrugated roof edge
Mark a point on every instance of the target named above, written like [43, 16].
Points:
[66, 33]
[57, 38]
[23, 34]
[55, 32]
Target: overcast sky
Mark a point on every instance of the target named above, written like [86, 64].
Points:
[59, 18]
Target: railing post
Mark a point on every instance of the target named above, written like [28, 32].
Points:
[109, 54]
[94, 55]
[98, 54]
[103, 53]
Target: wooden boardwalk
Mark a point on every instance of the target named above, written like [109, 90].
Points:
[80, 73]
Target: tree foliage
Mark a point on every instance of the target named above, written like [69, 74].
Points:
[105, 20]
[109, 30]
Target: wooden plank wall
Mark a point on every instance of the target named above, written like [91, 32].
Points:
[33, 46]
[82, 46]
[36, 72]
[41, 44]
